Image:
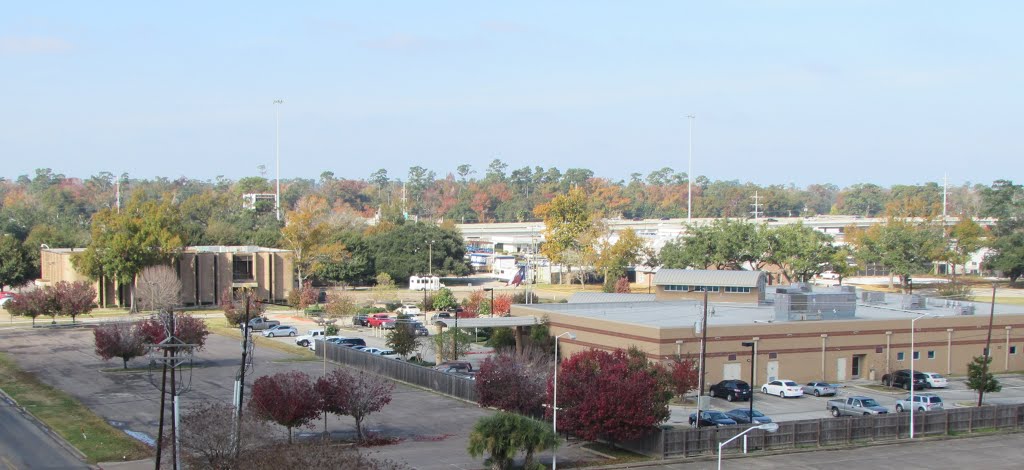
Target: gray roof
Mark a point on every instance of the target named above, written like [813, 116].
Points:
[695, 277]
[599, 297]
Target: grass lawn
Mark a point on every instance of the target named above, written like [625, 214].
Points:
[68, 417]
[220, 326]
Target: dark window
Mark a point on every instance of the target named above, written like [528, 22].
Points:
[899, 356]
[732, 357]
[931, 354]
[773, 355]
[1013, 349]
[241, 268]
[878, 350]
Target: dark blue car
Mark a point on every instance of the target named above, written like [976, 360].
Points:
[742, 416]
[711, 418]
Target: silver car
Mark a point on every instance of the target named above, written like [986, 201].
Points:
[820, 388]
[922, 402]
[280, 330]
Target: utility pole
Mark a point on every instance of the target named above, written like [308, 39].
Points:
[277, 154]
[703, 357]
[240, 381]
[757, 206]
[988, 347]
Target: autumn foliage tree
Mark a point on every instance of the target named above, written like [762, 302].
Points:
[684, 375]
[514, 382]
[286, 398]
[120, 339]
[73, 298]
[188, 329]
[355, 394]
[32, 304]
[610, 395]
[240, 304]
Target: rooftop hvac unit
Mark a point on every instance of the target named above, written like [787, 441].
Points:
[963, 310]
[912, 302]
[872, 297]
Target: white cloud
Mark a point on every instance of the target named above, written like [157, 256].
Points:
[32, 45]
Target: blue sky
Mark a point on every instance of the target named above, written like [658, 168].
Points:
[784, 91]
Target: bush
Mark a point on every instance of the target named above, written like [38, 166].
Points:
[503, 435]
[955, 291]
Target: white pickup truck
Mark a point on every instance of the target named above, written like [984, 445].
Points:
[308, 338]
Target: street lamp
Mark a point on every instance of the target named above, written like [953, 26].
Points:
[277, 155]
[753, 346]
[689, 172]
[554, 399]
[430, 259]
[912, 405]
[770, 427]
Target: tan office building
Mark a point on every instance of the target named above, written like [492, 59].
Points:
[800, 336]
[206, 273]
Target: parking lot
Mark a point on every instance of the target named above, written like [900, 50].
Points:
[811, 407]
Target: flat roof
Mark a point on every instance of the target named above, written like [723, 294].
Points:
[687, 313]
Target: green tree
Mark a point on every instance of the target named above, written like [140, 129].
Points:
[384, 287]
[308, 234]
[965, 239]
[980, 377]
[1007, 255]
[14, 266]
[570, 228]
[444, 299]
[503, 435]
[451, 344]
[801, 252]
[402, 250]
[403, 340]
[615, 258]
[144, 233]
[905, 248]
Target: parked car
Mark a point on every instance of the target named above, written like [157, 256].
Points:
[454, 366]
[933, 380]
[359, 319]
[388, 353]
[417, 327]
[389, 324]
[711, 418]
[901, 379]
[443, 316]
[409, 309]
[375, 320]
[855, 406]
[922, 402]
[280, 330]
[742, 416]
[327, 339]
[783, 388]
[261, 323]
[6, 297]
[351, 342]
[465, 375]
[731, 390]
[820, 388]
[420, 329]
[371, 350]
[307, 338]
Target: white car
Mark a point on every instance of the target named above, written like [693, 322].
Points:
[312, 342]
[371, 350]
[783, 388]
[307, 339]
[933, 380]
[409, 309]
[389, 353]
[280, 330]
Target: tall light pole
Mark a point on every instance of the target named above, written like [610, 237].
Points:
[912, 405]
[430, 260]
[277, 155]
[554, 399]
[689, 173]
[753, 347]
[770, 427]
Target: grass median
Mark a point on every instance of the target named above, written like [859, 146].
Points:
[220, 326]
[73, 421]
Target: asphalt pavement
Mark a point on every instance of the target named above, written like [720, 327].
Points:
[24, 443]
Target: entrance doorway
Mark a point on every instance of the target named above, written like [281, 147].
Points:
[772, 371]
[840, 369]
[858, 364]
[731, 372]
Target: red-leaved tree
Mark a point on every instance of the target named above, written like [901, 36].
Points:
[31, 303]
[355, 394]
[73, 298]
[502, 304]
[684, 375]
[234, 306]
[622, 286]
[610, 395]
[286, 398]
[188, 329]
[515, 382]
[120, 339]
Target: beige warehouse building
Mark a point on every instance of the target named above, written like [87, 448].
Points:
[832, 334]
[206, 273]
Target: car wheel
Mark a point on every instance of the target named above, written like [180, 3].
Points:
[922, 410]
[835, 412]
[782, 394]
[817, 393]
[764, 389]
[887, 382]
[291, 334]
[730, 397]
[304, 343]
[899, 408]
[271, 335]
[907, 386]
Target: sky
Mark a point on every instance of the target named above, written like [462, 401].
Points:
[783, 92]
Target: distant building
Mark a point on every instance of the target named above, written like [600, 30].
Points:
[206, 273]
[721, 286]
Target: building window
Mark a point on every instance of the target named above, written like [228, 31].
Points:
[773, 355]
[899, 356]
[984, 352]
[732, 357]
[931, 354]
[737, 290]
[878, 350]
[1013, 349]
[917, 355]
[241, 268]
[704, 288]
[677, 288]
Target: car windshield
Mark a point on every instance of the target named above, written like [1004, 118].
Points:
[758, 414]
[936, 376]
[869, 402]
[742, 385]
[714, 415]
[790, 384]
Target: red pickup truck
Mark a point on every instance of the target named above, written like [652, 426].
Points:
[377, 319]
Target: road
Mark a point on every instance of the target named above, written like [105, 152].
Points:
[24, 444]
[989, 452]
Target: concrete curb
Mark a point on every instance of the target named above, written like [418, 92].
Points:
[46, 429]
